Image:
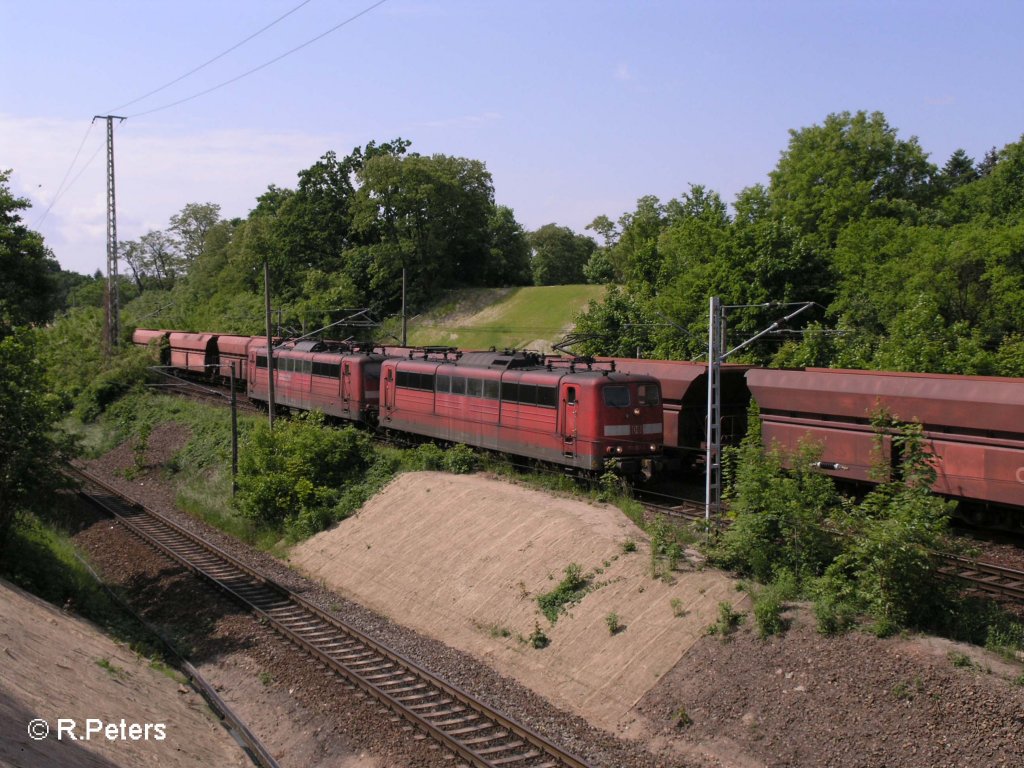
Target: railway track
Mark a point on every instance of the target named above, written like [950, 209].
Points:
[474, 732]
[984, 577]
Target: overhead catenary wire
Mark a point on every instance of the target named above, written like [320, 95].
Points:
[265, 64]
[207, 63]
[61, 188]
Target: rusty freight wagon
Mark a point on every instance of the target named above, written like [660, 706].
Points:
[974, 426]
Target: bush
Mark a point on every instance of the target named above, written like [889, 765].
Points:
[728, 621]
[570, 589]
[300, 471]
[770, 601]
[427, 458]
[889, 567]
[612, 622]
[538, 639]
[127, 371]
[779, 514]
[460, 459]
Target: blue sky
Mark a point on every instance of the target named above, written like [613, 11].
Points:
[577, 108]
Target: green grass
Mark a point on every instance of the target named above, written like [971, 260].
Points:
[526, 317]
[40, 557]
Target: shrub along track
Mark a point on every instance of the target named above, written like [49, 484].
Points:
[991, 578]
[478, 734]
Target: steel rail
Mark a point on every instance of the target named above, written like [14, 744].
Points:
[472, 730]
[988, 577]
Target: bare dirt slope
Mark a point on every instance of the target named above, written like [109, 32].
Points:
[463, 558]
[56, 666]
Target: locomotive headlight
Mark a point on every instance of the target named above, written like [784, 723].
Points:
[654, 447]
[636, 411]
[618, 449]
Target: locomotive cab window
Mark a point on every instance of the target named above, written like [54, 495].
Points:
[647, 394]
[616, 397]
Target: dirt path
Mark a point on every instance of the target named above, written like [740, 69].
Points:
[463, 559]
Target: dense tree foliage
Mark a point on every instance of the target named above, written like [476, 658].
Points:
[913, 266]
[29, 449]
[339, 240]
[559, 255]
[28, 271]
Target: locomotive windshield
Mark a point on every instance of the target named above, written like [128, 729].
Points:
[616, 397]
[647, 394]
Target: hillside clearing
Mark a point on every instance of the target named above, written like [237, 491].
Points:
[532, 318]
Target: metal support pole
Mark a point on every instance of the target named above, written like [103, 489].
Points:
[112, 303]
[234, 433]
[405, 325]
[713, 437]
[270, 343]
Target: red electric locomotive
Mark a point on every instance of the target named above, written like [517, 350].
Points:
[558, 412]
[313, 375]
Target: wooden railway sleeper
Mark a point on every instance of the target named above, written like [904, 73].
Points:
[516, 758]
[500, 748]
[460, 720]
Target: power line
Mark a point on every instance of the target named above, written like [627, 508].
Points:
[266, 64]
[60, 188]
[209, 62]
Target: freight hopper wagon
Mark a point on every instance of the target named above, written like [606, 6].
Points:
[559, 412]
[974, 426]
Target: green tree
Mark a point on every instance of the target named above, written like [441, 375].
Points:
[27, 268]
[509, 258]
[851, 166]
[430, 215]
[190, 227]
[30, 452]
[559, 255]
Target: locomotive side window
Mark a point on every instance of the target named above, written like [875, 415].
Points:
[414, 380]
[332, 370]
[475, 387]
[547, 397]
[444, 383]
[510, 391]
[647, 394]
[570, 395]
[261, 361]
[616, 397]
[490, 389]
[458, 385]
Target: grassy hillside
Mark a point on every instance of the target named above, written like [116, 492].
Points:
[532, 318]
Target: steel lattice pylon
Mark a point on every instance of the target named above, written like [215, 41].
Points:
[112, 308]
